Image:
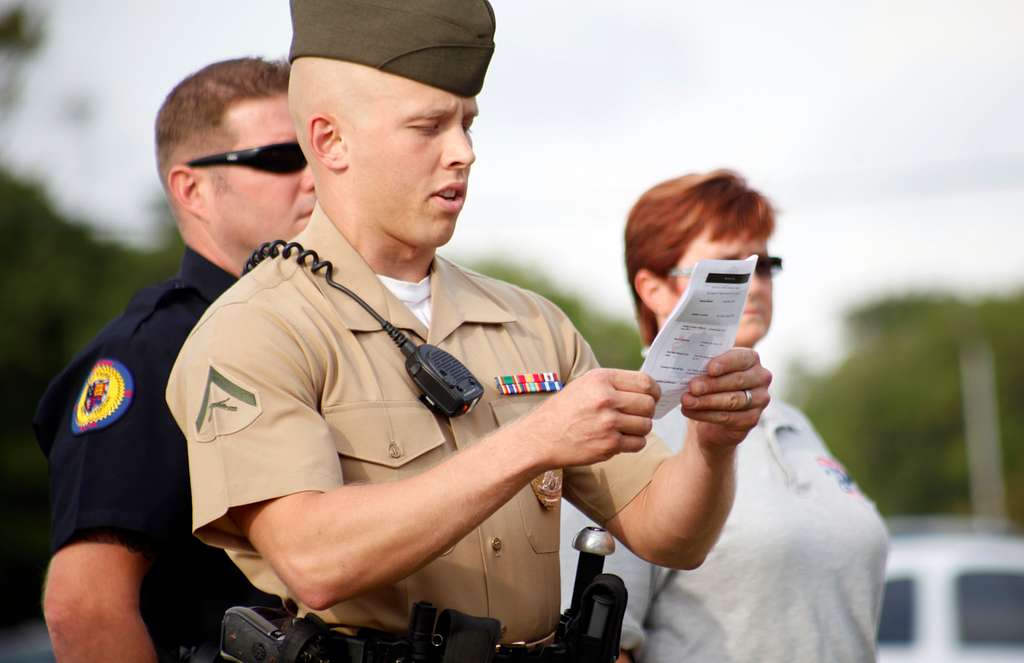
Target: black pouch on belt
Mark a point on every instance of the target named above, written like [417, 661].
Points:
[467, 639]
[599, 626]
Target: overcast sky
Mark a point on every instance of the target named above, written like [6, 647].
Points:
[887, 133]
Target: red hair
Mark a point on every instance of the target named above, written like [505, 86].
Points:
[670, 215]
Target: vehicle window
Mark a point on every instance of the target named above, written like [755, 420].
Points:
[991, 608]
[896, 625]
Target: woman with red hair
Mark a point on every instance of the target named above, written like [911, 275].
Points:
[798, 571]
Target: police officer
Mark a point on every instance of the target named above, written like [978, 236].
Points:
[314, 461]
[127, 580]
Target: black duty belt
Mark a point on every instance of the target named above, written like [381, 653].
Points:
[543, 654]
[588, 631]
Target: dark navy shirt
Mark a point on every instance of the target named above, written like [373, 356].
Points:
[118, 460]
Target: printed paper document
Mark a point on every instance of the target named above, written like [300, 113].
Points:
[702, 325]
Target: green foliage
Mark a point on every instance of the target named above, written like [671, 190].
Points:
[19, 32]
[61, 285]
[20, 36]
[892, 411]
[616, 342]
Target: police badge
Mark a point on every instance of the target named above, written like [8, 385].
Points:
[548, 488]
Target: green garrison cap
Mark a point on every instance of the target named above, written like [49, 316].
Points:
[444, 43]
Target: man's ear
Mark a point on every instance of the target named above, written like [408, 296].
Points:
[656, 292]
[186, 190]
[326, 142]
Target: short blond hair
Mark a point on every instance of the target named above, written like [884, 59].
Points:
[191, 118]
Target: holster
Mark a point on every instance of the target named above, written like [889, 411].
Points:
[592, 635]
[467, 639]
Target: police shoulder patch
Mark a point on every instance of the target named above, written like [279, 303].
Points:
[105, 397]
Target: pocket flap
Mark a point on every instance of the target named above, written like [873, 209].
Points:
[389, 433]
[508, 409]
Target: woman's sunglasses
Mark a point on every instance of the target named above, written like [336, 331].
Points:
[276, 158]
[767, 267]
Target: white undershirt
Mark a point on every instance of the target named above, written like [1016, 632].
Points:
[416, 296]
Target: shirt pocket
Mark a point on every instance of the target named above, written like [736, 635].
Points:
[539, 524]
[384, 440]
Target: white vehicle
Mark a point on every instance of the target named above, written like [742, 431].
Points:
[953, 596]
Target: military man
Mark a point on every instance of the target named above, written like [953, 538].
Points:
[127, 580]
[313, 459]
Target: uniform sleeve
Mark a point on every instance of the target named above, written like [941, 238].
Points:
[117, 458]
[245, 393]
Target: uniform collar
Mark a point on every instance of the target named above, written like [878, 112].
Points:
[207, 278]
[455, 299]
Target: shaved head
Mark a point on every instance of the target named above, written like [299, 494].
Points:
[390, 155]
[349, 93]
[354, 98]
[319, 86]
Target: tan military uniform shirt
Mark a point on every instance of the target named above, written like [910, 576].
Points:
[288, 385]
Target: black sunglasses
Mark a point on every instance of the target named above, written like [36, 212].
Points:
[276, 158]
[767, 267]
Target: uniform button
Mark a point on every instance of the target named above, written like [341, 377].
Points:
[394, 451]
[496, 544]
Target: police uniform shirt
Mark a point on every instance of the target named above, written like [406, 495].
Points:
[118, 460]
[288, 385]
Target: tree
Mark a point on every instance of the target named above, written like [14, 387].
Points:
[891, 410]
[20, 36]
[61, 285]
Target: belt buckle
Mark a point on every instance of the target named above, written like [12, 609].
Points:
[513, 653]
